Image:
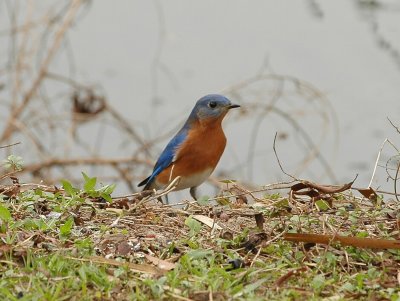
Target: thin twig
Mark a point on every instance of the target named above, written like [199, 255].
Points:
[171, 186]
[9, 145]
[266, 244]
[396, 127]
[279, 161]
[69, 17]
[9, 174]
[79, 161]
[395, 182]
[376, 162]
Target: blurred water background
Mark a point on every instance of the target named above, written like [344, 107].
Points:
[330, 68]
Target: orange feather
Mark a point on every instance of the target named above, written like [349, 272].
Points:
[201, 150]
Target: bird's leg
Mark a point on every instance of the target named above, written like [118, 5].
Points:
[193, 192]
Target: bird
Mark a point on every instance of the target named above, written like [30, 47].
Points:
[194, 152]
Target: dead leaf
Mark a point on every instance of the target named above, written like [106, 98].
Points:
[124, 248]
[10, 191]
[326, 189]
[227, 235]
[360, 242]
[254, 240]
[207, 221]
[369, 193]
[259, 220]
[160, 263]
[121, 203]
[224, 216]
[87, 102]
[4, 249]
[288, 275]
[239, 195]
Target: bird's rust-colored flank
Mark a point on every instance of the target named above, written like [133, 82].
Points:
[203, 149]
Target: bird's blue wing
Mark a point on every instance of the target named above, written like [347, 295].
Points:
[167, 156]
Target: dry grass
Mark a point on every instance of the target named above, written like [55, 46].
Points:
[73, 243]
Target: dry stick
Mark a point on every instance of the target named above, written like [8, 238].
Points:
[315, 93]
[25, 27]
[9, 145]
[279, 161]
[27, 131]
[79, 161]
[126, 126]
[266, 244]
[124, 176]
[383, 192]
[396, 127]
[20, 55]
[395, 182]
[378, 156]
[376, 162]
[315, 150]
[165, 191]
[9, 174]
[372, 243]
[274, 186]
[117, 116]
[69, 17]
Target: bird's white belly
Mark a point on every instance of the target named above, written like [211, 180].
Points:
[190, 181]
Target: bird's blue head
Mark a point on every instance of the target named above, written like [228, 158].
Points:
[212, 106]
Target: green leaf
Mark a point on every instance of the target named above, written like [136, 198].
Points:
[199, 254]
[204, 200]
[273, 196]
[347, 287]
[318, 282]
[90, 183]
[65, 230]
[191, 244]
[360, 280]
[227, 181]
[105, 192]
[193, 225]
[69, 189]
[250, 288]
[13, 162]
[108, 189]
[282, 203]
[5, 214]
[322, 205]
[362, 234]
[223, 201]
[106, 197]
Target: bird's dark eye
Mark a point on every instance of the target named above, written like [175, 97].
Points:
[212, 104]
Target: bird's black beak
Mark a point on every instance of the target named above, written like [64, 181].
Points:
[232, 106]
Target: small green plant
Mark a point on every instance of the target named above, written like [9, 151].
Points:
[89, 189]
[65, 229]
[5, 214]
[193, 225]
[13, 163]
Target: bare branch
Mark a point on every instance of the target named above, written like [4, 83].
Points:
[279, 161]
[69, 17]
[9, 145]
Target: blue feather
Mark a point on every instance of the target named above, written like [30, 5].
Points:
[167, 156]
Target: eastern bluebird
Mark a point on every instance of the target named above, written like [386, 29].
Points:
[193, 153]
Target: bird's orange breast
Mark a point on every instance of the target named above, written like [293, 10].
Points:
[200, 151]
